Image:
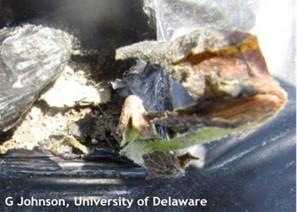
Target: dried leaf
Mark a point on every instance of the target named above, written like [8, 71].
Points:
[226, 72]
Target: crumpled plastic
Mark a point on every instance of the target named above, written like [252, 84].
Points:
[31, 58]
[157, 90]
[174, 18]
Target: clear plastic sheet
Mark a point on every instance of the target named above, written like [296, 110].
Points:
[178, 17]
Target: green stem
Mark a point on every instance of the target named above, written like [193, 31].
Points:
[137, 149]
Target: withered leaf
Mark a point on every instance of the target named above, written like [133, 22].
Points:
[225, 71]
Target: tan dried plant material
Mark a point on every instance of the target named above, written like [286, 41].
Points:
[132, 116]
[225, 72]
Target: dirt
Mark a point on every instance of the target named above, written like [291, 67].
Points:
[85, 122]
